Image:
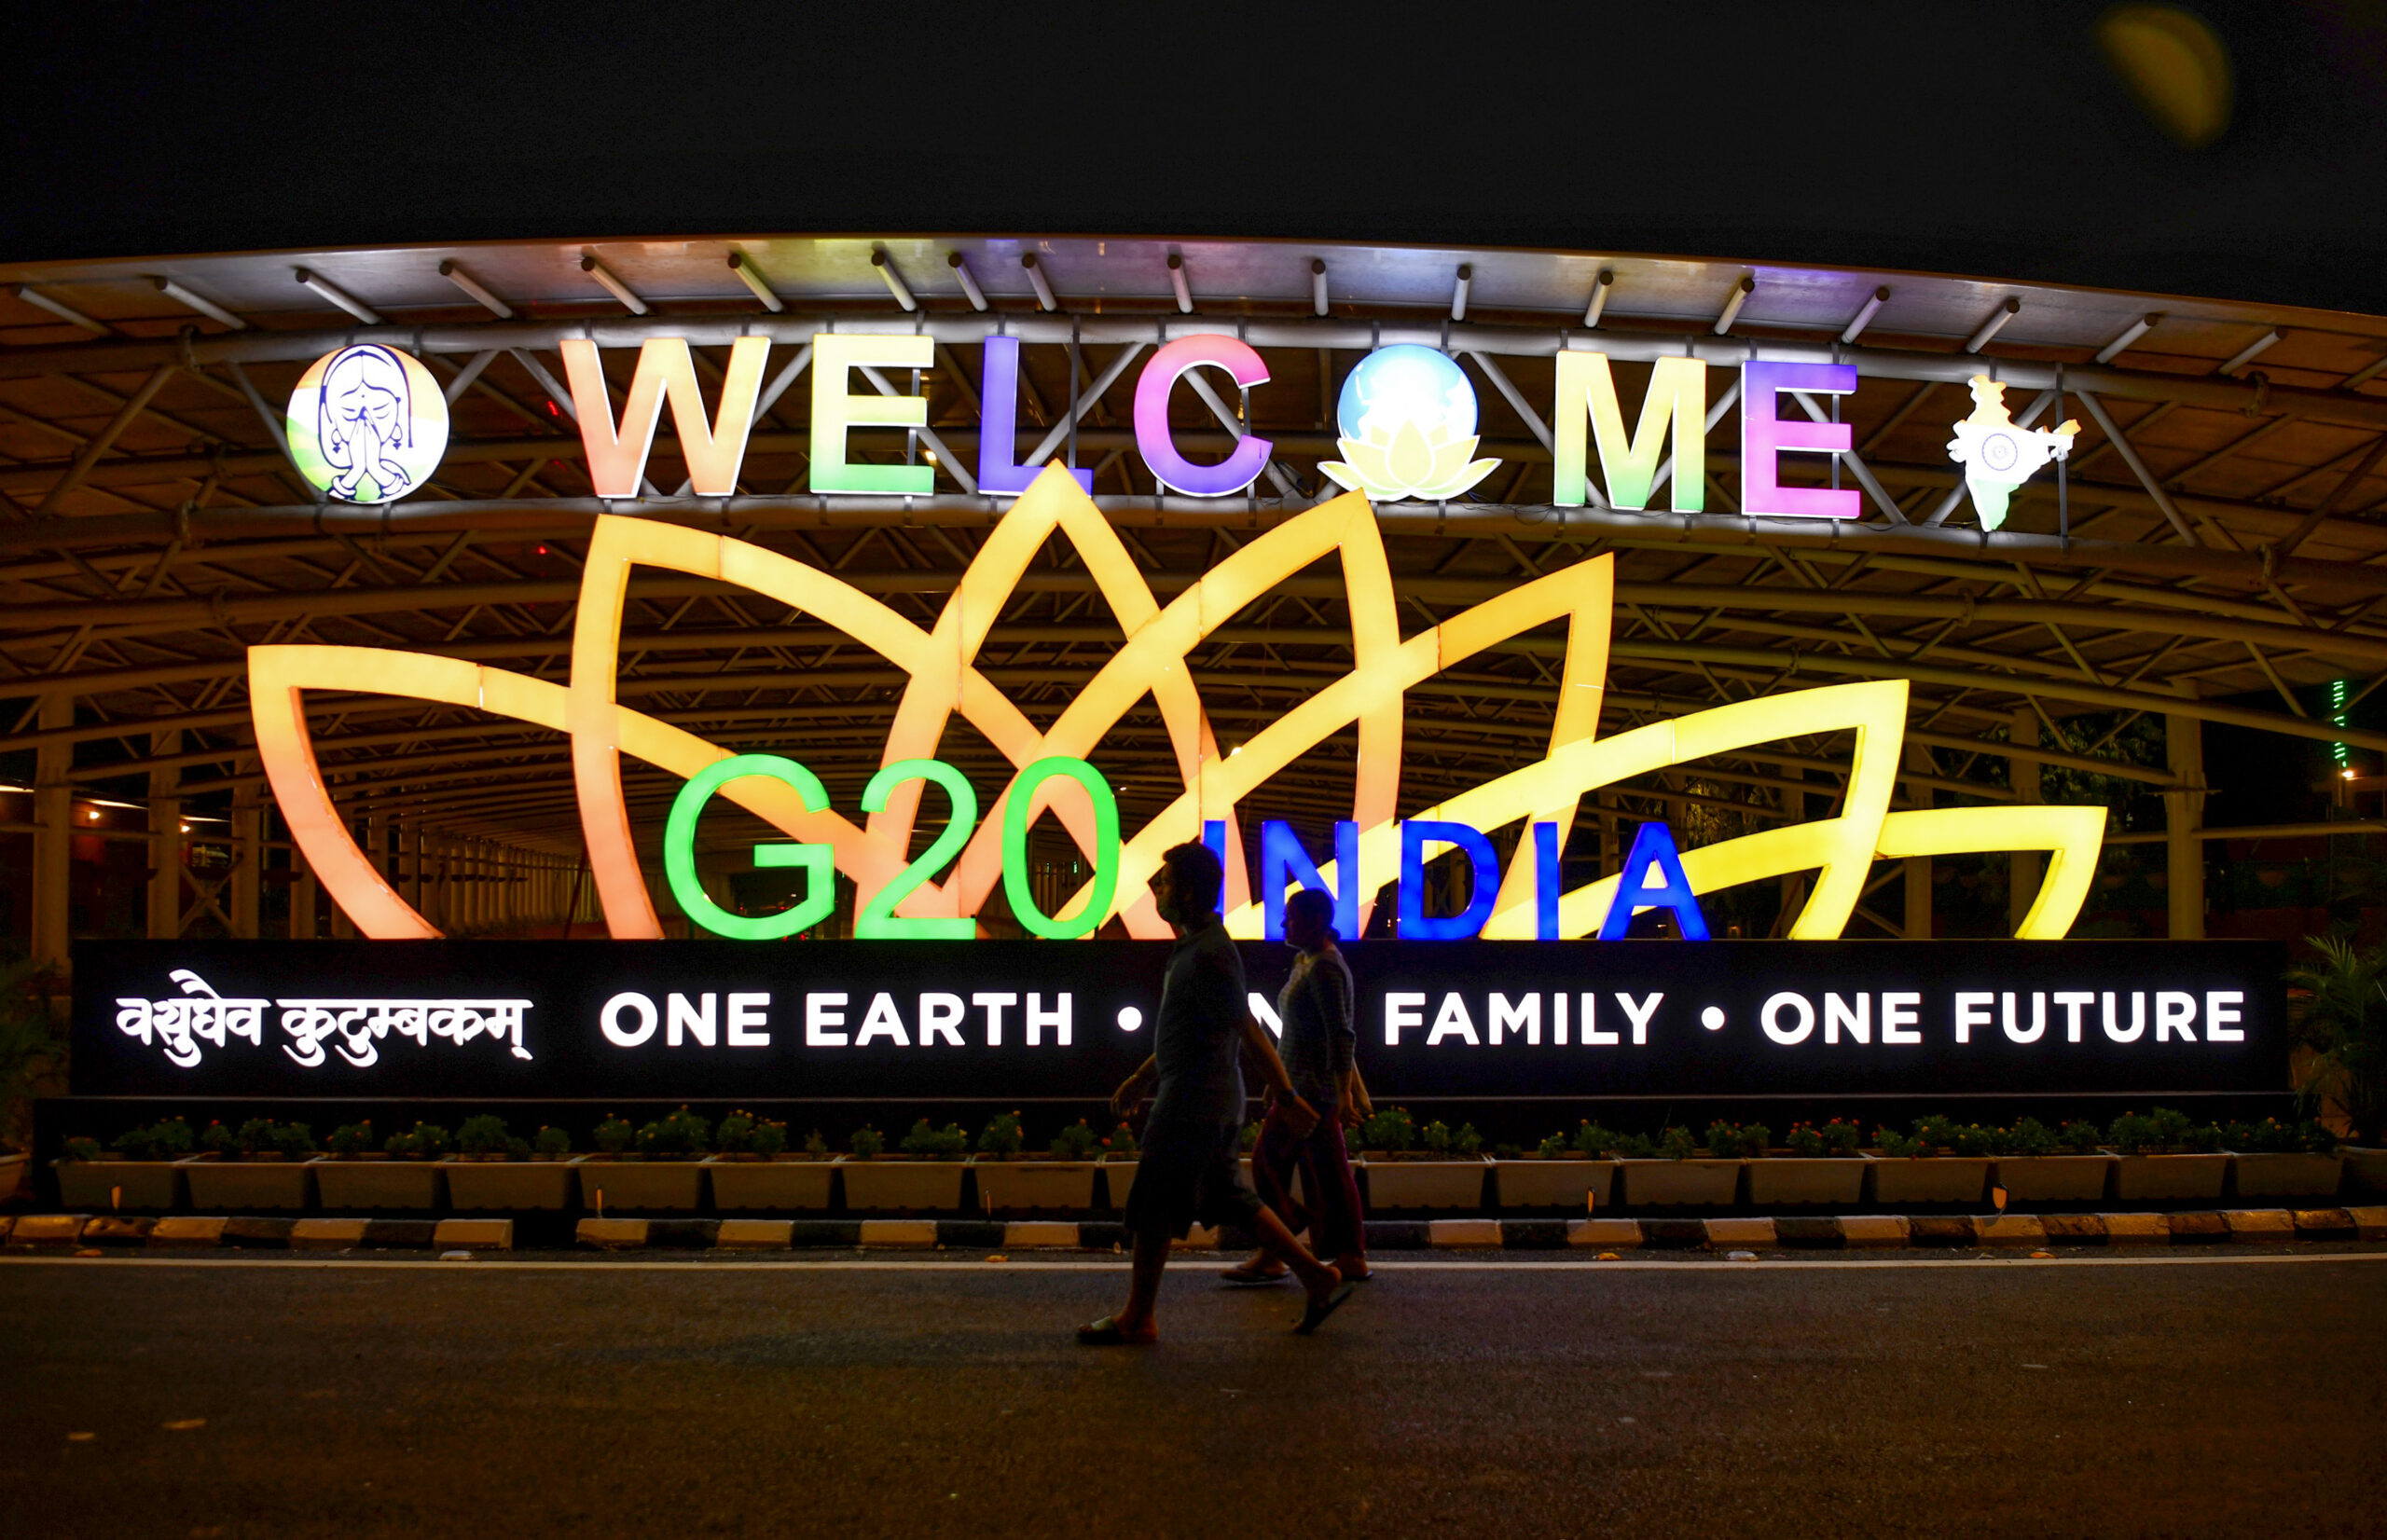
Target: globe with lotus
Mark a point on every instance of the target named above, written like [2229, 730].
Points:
[1407, 416]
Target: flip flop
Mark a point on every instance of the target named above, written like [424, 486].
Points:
[1244, 1275]
[1108, 1332]
[1314, 1315]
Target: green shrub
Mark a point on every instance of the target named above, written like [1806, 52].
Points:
[482, 1133]
[551, 1140]
[217, 1140]
[2172, 1126]
[735, 1136]
[1121, 1140]
[82, 1149]
[1075, 1141]
[769, 1139]
[1002, 1135]
[1467, 1141]
[867, 1141]
[2132, 1133]
[1804, 1141]
[2028, 1136]
[947, 1143]
[680, 1133]
[1554, 1148]
[1723, 1138]
[517, 1148]
[2079, 1136]
[1897, 1146]
[1971, 1141]
[1435, 1138]
[1634, 1147]
[291, 1140]
[615, 1134]
[351, 1139]
[1388, 1129]
[1250, 1138]
[1676, 1144]
[1841, 1136]
[815, 1145]
[1593, 1140]
[159, 1141]
[253, 1136]
[1508, 1152]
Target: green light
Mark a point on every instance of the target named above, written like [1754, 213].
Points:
[1106, 848]
[815, 860]
[2338, 692]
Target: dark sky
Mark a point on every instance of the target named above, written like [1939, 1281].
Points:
[1989, 139]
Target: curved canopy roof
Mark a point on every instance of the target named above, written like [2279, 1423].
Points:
[2219, 543]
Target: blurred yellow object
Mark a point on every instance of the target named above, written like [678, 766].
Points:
[2175, 68]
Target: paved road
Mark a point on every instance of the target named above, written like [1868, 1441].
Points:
[2056, 1399]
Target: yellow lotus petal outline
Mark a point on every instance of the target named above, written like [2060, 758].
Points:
[944, 679]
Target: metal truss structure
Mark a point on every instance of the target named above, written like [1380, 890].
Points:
[2213, 544]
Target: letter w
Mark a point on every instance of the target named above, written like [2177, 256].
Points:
[617, 461]
[1587, 397]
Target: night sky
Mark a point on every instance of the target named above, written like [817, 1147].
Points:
[1987, 139]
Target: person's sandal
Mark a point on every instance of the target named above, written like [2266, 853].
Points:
[1108, 1332]
[1251, 1275]
[1314, 1315]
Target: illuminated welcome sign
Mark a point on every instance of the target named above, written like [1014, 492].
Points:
[1521, 902]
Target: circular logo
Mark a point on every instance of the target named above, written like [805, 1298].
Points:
[1406, 385]
[368, 424]
[1999, 453]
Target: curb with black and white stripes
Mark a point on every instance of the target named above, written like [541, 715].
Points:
[1855, 1231]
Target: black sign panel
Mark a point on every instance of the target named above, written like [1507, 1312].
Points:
[1018, 1021]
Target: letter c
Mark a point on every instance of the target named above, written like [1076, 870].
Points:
[1152, 440]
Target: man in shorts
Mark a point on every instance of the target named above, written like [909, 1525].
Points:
[1188, 1170]
[1320, 1038]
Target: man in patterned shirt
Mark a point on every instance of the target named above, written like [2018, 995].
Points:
[1316, 1008]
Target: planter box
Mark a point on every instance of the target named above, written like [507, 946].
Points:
[13, 1170]
[916, 1186]
[2368, 1167]
[782, 1182]
[2287, 1175]
[1929, 1179]
[376, 1184]
[640, 1186]
[1017, 1187]
[1456, 1184]
[2139, 1176]
[1681, 1184]
[508, 1184]
[2055, 1178]
[1580, 1186]
[1784, 1180]
[89, 1183]
[1118, 1180]
[238, 1185]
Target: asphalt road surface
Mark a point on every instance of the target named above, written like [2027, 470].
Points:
[2190, 1397]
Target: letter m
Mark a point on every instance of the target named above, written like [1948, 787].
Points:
[617, 459]
[1587, 398]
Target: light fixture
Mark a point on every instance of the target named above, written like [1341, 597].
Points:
[893, 279]
[1864, 317]
[1994, 325]
[2347, 774]
[614, 286]
[1177, 281]
[1318, 285]
[472, 287]
[2131, 333]
[1600, 287]
[1035, 276]
[1741, 292]
[60, 309]
[207, 308]
[2248, 353]
[743, 266]
[1458, 291]
[960, 267]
